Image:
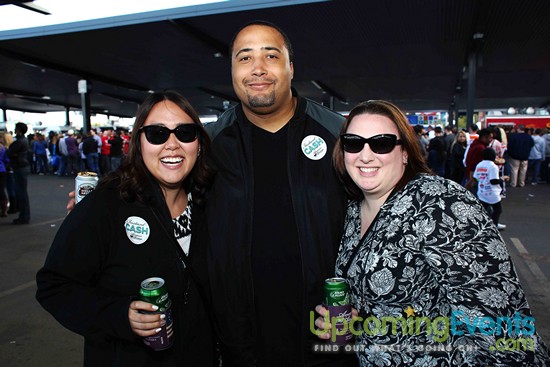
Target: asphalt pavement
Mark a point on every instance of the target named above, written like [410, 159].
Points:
[30, 337]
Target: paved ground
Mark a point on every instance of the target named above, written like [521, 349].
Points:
[30, 337]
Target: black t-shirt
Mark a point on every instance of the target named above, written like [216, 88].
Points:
[116, 146]
[276, 259]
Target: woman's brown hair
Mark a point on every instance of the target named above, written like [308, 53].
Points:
[416, 163]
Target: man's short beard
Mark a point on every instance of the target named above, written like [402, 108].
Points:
[262, 100]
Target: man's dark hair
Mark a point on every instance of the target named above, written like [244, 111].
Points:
[418, 128]
[21, 127]
[483, 132]
[488, 154]
[264, 23]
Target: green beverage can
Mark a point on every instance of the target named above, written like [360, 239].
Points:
[153, 290]
[338, 304]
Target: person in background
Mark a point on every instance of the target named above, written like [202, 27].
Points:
[473, 133]
[97, 139]
[82, 163]
[126, 138]
[473, 157]
[53, 148]
[437, 152]
[144, 220]
[63, 155]
[72, 153]
[458, 148]
[18, 156]
[519, 148]
[500, 150]
[116, 152]
[105, 161]
[40, 157]
[31, 139]
[545, 167]
[7, 139]
[430, 133]
[490, 186]
[536, 155]
[420, 250]
[449, 137]
[4, 161]
[422, 141]
[276, 232]
[503, 136]
[90, 149]
[450, 133]
[496, 142]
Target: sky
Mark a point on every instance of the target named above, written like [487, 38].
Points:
[63, 11]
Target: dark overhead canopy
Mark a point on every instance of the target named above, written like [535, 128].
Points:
[26, 4]
[413, 53]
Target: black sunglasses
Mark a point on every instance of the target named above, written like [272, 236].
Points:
[157, 134]
[379, 144]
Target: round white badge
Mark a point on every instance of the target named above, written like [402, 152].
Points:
[137, 230]
[314, 147]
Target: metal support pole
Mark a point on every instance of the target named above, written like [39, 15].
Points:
[472, 65]
[67, 118]
[84, 88]
[450, 120]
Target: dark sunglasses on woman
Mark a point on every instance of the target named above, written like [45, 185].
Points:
[379, 144]
[157, 134]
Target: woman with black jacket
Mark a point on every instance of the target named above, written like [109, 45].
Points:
[137, 224]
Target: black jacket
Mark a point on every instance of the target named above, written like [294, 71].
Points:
[18, 152]
[94, 270]
[519, 146]
[319, 203]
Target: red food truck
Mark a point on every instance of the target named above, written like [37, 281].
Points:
[529, 121]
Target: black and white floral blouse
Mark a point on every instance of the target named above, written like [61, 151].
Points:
[434, 284]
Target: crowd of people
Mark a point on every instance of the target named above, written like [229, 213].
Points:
[66, 153]
[247, 217]
[517, 155]
[61, 154]
[519, 152]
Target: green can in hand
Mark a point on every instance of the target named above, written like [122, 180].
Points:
[337, 303]
[153, 290]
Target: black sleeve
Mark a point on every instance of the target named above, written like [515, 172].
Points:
[16, 149]
[68, 282]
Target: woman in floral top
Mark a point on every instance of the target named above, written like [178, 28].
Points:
[429, 274]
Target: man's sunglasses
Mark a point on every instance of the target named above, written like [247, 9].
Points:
[157, 134]
[379, 144]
